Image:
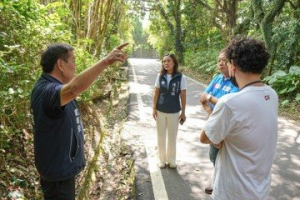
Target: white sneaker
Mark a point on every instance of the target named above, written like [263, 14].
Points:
[173, 166]
[162, 165]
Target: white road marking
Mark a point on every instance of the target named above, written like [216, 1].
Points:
[196, 81]
[159, 188]
[139, 99]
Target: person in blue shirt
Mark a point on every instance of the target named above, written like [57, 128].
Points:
[218, 87]
[57, 126]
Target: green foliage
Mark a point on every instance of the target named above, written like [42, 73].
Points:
[138, 33]
[287, 37]
[286, 84]
[26, 28]
[203, 36]
[25, 31]
[159, 36]
[83, 60]
[203, 61]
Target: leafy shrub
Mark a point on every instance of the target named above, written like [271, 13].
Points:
[287, 38]
[287, 85]
[25, 29]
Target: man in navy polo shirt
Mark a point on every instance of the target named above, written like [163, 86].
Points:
[58, 130]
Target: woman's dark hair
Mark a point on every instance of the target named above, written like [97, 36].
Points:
[249, 54]
[52, 54]
[176, 65]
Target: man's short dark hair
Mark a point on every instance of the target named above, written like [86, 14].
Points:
[249, 54]
[53, 53]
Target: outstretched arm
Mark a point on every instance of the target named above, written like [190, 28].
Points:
[81, 82]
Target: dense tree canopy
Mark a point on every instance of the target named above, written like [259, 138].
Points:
[196, 30]
[26, 28]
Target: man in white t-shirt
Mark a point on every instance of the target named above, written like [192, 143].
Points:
[244, 126]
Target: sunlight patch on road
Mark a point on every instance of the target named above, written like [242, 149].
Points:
[136, 88]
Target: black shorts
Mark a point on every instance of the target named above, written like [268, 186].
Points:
[59, 190]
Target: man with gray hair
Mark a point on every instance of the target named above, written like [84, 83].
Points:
[58, 130]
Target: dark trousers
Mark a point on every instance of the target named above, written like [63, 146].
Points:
[59, 190]
[213, 152]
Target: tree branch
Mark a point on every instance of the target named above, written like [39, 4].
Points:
[164, 15]
[203, 4]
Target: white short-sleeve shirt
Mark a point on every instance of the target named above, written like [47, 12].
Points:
[246, 122]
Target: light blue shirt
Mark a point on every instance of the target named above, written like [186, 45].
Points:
[219, 86]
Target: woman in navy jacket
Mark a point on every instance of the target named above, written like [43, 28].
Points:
[169, 101]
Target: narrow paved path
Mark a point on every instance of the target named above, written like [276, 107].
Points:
[194, 170]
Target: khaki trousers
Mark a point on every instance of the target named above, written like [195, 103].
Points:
[167, 128]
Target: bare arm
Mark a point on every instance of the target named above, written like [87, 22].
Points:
[213, 100]
[204, 139]
[205, 102]
[155, 98]
[81, 82]
[183, 104]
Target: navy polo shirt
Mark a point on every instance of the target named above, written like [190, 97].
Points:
[58, 132]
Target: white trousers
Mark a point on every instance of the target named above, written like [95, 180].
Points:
[167, 128]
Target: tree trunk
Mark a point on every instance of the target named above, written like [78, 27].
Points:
[76, 6]
[98, 18]
[177, 34]
[265, 21]
[224, 14]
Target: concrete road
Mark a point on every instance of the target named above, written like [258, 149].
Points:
[194, 171]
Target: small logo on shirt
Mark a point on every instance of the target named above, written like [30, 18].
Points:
[175, 88]
[163, 82]
[224, 88]
[267, 97]
[217, 85]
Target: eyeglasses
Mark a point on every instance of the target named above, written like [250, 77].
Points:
[225, 61]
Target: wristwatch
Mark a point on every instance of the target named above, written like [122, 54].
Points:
[208, 97]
